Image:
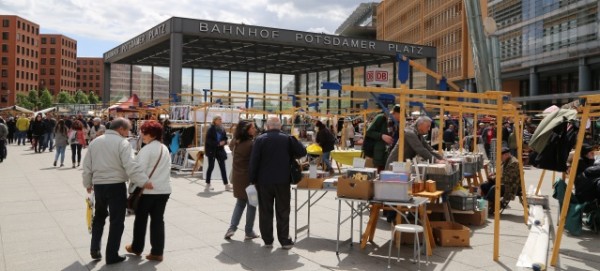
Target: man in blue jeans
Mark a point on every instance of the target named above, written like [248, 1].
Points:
[107, 166]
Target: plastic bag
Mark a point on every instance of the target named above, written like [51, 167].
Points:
[89, 216]
[252, 195]
[314, 149]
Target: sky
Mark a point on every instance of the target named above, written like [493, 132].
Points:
[100, 25]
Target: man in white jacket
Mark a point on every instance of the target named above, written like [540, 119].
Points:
[107, 166]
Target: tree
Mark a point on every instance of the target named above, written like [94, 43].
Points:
[46, 99]
[81, 98]
[23, 101]
[64, 97]
[34, 99]
[92, 98]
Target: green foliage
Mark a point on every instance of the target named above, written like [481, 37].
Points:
[46, 99]
[81, 98]
[23, 101]
[34, 98]
[92, 98]
[64, 97]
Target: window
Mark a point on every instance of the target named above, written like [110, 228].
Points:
[43, 61]
[4, 73]
[43, 71]
[52, 51]
[4, 35]
[97, 77]
[5, 48]
[44, 40]
[52, 61]
[5, 23]
[4, 60]
[97, 85]
[51, 71]
[52, 40]
[4, 85]
[52, 82]
[43, 51]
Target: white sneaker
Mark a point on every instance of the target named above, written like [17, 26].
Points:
[208, 188]
[228, 187]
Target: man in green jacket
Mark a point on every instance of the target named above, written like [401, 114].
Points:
[377, 139]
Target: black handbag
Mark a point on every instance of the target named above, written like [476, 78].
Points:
[133, 201]
[295, 169]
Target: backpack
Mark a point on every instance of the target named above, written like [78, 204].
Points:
[73, 137]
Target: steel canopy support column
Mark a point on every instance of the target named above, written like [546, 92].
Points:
[432, 65]
[175, 63]
[106, 89]
[584, 76]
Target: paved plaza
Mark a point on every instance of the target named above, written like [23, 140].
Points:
[42, 227]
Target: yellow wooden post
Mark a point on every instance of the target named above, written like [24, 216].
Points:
[475, 126]
[554, 175]
[441, 130]
[498, 181]
[402, 124]
[519, 137]
[461, 133]
[537, 191]
[572, 172]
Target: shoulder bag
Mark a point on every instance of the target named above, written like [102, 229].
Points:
[295, 169]
[133, 200]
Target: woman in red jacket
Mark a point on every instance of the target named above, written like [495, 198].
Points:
[76, 140]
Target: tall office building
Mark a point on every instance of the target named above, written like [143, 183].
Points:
[90, 75]
[58, 55]
[20, 54]
[549, 49]
[438, 23]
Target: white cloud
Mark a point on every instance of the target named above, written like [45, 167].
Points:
[120, 20]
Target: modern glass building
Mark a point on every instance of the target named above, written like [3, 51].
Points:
[550, 49]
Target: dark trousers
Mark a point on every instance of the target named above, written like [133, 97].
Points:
[211, 166]
[280, 195]
[76, 150]
[3, 151]
[488, 189]
[36, 141]
[110, 198]
[153, 206]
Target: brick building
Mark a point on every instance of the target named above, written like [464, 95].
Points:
[58, 63]
[20, 57]
[90, 74]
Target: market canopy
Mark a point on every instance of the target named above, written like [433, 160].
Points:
[44, 111]
[129, 105]
[239, 47]
[17, 108]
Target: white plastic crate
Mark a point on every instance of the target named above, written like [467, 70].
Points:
[392, 191]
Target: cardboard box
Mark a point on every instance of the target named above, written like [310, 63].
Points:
[311, 183]
[451, 234]
[354, 189]
[366, 174]
[477, 218]
[392, 191]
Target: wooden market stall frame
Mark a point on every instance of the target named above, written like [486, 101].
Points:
[496, 107]
[591, 108]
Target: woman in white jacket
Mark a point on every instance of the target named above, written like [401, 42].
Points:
[154, 156]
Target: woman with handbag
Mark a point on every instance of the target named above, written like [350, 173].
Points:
[77, 141]
[242, 148]
[155, 157]
[214, 148]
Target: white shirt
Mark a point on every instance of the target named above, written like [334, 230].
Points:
[161, 178]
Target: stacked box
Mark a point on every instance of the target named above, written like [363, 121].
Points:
[451, 234]
[365, 174]
[463, 203]
[392, 191]
[390, 176]
[354, 189]
[330, 183]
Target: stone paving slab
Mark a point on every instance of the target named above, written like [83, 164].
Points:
[42, 227]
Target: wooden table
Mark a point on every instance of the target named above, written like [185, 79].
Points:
[377, 206]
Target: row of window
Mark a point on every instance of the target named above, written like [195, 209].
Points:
[24, 51]
[85, 62]
[26, 75]
[24, 26]
[64, 42]
[29, 64]
[85, 77]
[91, 70]
[85, 84]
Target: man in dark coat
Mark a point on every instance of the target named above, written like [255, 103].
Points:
[270, 171]
[449, 138]
[415, 144]
[378, 138]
